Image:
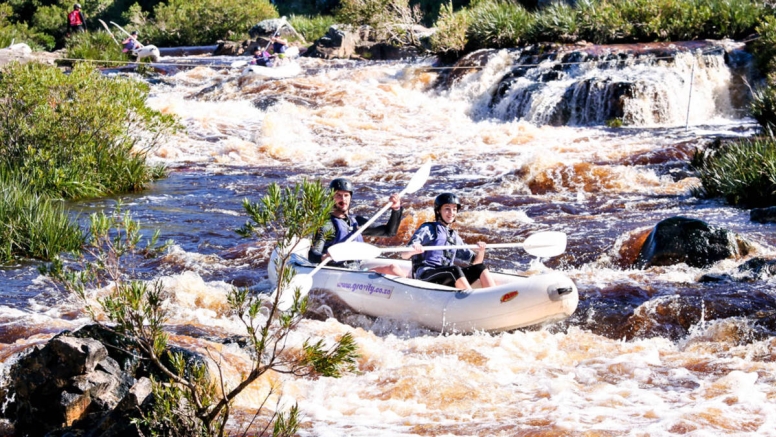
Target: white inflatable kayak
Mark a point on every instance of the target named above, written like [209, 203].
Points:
[517, 301]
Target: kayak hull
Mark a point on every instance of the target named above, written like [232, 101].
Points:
[516, 301]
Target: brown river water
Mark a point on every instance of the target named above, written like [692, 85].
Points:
[649, 352]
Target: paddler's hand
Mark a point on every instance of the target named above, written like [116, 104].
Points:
[418, 249]
[395, 200]
[481, 245]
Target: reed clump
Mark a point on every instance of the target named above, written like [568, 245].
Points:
[505, 23]
[34, 225]
[742, 172]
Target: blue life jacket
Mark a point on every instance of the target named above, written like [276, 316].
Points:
[440, 236]
[278, 48]
[343, 229]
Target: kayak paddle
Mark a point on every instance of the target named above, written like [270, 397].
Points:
[540, 244]
[304, 282]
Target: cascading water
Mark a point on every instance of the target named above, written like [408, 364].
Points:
[665, 86]
[654, 350]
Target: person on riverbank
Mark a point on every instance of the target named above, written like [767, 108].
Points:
[342, 225]
[76, 20]
[439, 266]
[262, 58]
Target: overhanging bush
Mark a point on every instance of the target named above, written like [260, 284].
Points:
[79, 134]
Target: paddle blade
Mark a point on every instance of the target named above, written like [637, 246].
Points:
[353, 250]
[545, 244]
[302, 282]
[238, 64]
[419, 179]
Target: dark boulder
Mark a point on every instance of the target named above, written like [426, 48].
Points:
[694, 242]
[363, 42]
[763, 215]
[68, 380]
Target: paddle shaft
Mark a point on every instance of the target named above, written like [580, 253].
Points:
[139, 44]
[109, 32]
[275, 34]
[460, 246]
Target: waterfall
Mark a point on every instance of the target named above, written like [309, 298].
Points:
[645, 86]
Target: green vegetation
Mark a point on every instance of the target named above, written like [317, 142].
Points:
[34, 226]
[90, 134]
[188, 399]
[97, 46]
[203, 22]
[744, 173]
[497, 24]
[67, 136]
[311, 27]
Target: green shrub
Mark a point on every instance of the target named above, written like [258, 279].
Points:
[311, 27]
[13, 32]
[452, 28]
[34, 226]
[96, 46]
[79, 134]
[744, 173]
[51, 20]
[497, 24]
[202, 22]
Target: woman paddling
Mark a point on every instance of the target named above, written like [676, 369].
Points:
[438, 266]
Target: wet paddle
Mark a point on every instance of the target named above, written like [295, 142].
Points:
[304, 282]
[540, 244]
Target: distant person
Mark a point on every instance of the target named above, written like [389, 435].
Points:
[76, 20]
[439, 266]
[279, 46]
[131, 43]
[262, 58]
[342, 225]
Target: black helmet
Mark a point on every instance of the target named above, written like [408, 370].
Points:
[341, 184]
[444, 199]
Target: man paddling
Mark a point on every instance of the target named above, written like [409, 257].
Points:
[439, 266]
[342, 225]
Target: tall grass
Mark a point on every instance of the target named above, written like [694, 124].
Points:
[503, 23]
[744, 173]
[452, 27]
[498, 24]
[34, 226]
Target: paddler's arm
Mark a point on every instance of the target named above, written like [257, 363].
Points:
[392, 227]
[316, 252]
